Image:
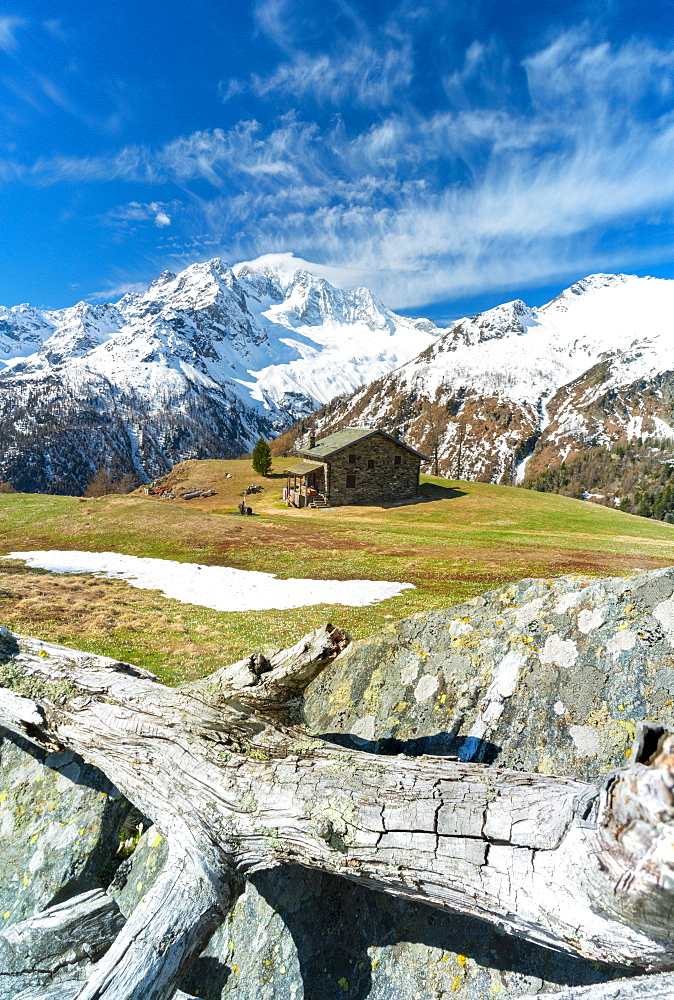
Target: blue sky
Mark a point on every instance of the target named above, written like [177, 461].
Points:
[448, 155]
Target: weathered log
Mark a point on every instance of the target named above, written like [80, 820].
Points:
[657, 987]
[236, 786]
[166, 933]
[69, 991]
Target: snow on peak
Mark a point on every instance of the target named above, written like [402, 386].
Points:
[279, 337]
[525, 354]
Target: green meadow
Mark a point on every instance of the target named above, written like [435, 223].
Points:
[459, 540]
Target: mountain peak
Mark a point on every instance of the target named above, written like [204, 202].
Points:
[284, 267]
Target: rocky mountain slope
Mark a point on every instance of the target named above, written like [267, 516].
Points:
[198, 365]
[203, 362]
[516, 390]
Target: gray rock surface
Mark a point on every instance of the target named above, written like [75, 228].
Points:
[136, 875]
[59, 945]
[296, 935]
[59, 827]
[546, 676]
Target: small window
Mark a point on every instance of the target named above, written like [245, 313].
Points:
[397, 460]
[370, 463]
[350, 482]
[352, 459]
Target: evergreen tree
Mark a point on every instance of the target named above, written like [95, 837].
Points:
[262, 457]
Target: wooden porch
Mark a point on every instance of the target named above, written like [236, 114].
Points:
[306, 485]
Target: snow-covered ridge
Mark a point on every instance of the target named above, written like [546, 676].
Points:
[272, 335]
[592, 367]
[200, 363]
[525, 354]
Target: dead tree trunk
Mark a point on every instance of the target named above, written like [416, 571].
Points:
[659, 987]
[236, 786]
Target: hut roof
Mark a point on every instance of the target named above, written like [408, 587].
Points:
[303, 468]
[350, 435]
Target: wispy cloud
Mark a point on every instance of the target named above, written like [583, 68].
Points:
[512, 180]
[8, 29]
[366, 75]
[116, 288]
[134, 211]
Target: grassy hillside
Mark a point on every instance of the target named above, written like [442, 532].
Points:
[462, 539]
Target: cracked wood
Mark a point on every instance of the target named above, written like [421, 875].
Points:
[236, 786]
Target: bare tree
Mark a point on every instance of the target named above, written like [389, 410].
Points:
[237, 785]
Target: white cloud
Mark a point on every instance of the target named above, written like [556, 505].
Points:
[115, 289]
[8, 27]
[421, 206]
[228, 89]
[134, 211]
[364, 74]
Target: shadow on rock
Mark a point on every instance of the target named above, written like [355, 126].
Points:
[466, 748]
[358, 943]
[208, 977]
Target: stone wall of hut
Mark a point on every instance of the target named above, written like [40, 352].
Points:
[386, 481]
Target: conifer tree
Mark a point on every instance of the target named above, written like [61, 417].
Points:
[262, 457]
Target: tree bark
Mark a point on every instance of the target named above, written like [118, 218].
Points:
[236, 786]
[658, 987]
[164, 935]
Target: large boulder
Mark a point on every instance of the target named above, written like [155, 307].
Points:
[544, 675]
[60, 820]
[547, 676]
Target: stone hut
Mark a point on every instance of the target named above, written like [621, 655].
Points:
[357, 465]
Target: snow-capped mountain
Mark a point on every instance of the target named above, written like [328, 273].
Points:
[514, 390]
[200, 364]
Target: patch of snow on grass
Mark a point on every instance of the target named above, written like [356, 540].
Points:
[219, 587]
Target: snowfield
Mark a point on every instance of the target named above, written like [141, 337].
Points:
[525, 354]
[217, 587]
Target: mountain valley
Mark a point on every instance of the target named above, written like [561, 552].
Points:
[203, 362]
[199, 365]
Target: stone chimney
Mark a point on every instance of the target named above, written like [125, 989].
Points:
[312, 440]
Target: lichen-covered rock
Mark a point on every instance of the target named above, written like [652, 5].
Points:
[299, 935]
[547, 676]
[59, 826]
[135, 876]
[59, 945]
